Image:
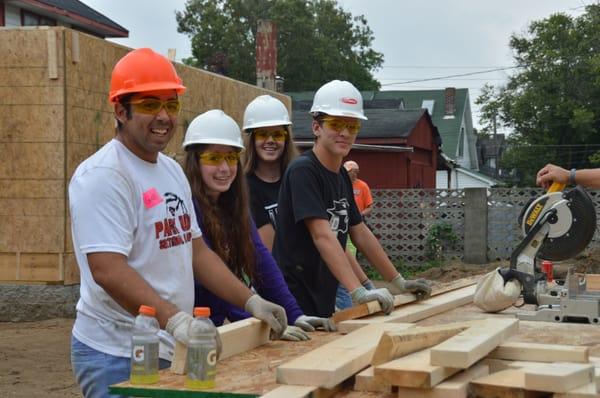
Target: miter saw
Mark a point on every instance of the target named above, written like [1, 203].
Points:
[557, 226]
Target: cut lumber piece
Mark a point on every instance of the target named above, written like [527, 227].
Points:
[413, 370]
[509, 383]
[394, 345]
[454, 387]
[291, 391]
[558, 377]
[373, 307]
[236, 337]
[366, 381]
[474, 343]
[587, 391]
[592, 281]
[518, 351]
[415, 311]
[332, 363]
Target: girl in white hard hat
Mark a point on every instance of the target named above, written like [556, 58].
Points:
[269, 150]
[213, 144]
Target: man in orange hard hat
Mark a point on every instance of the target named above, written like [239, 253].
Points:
[135, 234]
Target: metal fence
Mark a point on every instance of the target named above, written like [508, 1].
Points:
[402, 219]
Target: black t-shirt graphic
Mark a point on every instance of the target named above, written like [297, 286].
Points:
[263, 200]
[309, 190]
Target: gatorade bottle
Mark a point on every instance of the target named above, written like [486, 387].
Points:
[144, 347]
[202, 351]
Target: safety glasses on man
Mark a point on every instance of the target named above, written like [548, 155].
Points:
[152, 106]
[216, 158]
[276, 135]
[339, 124]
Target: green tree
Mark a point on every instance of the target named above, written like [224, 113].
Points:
[552, 104]
[317, 41]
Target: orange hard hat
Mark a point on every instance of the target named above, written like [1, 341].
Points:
[143, 70]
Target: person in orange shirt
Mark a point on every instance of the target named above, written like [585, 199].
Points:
[362, 192]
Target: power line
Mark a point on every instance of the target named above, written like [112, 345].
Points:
[449, 76]
[442, 67]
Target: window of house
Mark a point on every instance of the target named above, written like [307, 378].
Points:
[32, 19]
[428, 104]
[461, 144]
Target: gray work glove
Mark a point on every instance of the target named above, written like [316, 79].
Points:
[178, 326]
[421, 288]
[368, 284]
[272, 314]
[310, 323]
[361, 295]
[293, 333]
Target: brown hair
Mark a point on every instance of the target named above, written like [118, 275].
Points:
[226, 222]
[251, 157]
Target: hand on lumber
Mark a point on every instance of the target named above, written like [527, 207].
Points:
[361, 295]
[178, 325]
[293, 333]
[310, 323]
[272, 314]
[421, 288]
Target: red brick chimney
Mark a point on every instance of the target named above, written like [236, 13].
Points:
[266, 54]
[449, 101]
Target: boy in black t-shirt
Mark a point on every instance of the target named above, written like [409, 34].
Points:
[317, 211]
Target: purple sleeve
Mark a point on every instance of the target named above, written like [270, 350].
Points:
[269, 282]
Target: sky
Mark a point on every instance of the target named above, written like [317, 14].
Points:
[419, 39]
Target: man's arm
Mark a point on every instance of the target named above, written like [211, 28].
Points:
[267, 235]
[367, 243]
[112, 272]
[550, 173]
[331, 252]
[356, 268]
[367, 211]
[213, 274]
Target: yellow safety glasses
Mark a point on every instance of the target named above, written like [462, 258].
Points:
[152, 106]
[277, 135]
[216, 158]
[353, 126]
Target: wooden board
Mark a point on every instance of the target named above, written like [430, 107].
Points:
[558, 377]
[393, 345]
[366, 381]
[414, 370]
[509, 383]
[474, 343]
[331, 364]
[415, 311]
[236, 337]
[454, 387]
[519, 351]
[291, 391]
[373, 307]
[592, 281]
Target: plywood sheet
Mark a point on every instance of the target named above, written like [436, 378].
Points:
[40, 267]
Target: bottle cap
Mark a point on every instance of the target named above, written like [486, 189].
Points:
[201, 311]
[147, 310]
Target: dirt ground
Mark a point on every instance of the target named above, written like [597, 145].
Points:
[35, 359]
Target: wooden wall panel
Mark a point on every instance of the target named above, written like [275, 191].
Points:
[40, 267]
[8, 266]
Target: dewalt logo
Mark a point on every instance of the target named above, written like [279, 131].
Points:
[534, 214]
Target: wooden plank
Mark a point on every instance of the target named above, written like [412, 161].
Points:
[415, 311]
[414, 370]
[474, 343]
[366, 381]
[52, 54]
[236, 337]
[558, 377]
[329, 365]
[587, 391]
[519, 351]
[291, 391]
[454, 387]
[393, 345]
[373, 307]
[592, 281]
[509, 383]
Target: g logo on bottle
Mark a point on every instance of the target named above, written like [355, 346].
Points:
[211, 358]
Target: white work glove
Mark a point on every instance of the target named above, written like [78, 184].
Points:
[178, 326]
[368, 284]
[310, 323]
[421, 288]
[272, 314]
[293, 333]
[493, 295]
[361, 295]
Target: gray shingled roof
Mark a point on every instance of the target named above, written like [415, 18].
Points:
[81, 9]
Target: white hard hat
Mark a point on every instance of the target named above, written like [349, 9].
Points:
[213, 127]
[338, 98]
[265, 111]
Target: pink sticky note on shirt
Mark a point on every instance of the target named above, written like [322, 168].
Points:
[152, 198]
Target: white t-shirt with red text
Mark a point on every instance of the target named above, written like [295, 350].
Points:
[120, 203]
